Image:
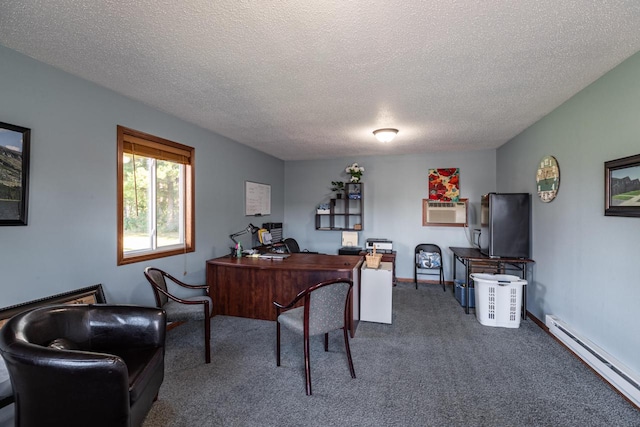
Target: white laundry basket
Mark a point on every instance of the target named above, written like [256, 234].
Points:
[498, 299]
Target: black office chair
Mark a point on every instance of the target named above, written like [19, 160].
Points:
[428, 257]
[293, 248]
[291, 245]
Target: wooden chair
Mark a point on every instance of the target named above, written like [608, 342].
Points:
[325, 308]
[428, 248]
[199, 307]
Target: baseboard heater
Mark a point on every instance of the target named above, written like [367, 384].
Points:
[618, 375]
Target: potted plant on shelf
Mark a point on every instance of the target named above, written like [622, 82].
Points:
[338, 187]
[355, 171]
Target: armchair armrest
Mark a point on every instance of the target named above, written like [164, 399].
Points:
[127, 326]
[185, 285]
[97, 383]
[280, 307]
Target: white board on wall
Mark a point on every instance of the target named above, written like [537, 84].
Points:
[257, 198]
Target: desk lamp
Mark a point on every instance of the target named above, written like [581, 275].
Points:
[249, 229]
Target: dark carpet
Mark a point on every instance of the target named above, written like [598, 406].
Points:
[434, 366]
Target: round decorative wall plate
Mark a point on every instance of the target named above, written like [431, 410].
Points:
[548, 178]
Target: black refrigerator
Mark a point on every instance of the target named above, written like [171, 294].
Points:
[505, 225]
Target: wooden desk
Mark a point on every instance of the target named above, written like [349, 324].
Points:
[472, 258]
[247, 287]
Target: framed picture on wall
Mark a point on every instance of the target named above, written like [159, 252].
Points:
[14, 174]
[444, 184]
[622, 187]
[89, 295]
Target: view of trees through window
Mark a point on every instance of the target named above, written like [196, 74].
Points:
[156, 197]
[152, 200]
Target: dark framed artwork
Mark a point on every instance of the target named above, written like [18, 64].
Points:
[622, 187]
[89, 295]
[14, 174]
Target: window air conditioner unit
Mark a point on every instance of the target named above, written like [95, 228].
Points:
[445, 213]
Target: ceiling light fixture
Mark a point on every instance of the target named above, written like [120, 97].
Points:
[386, 134]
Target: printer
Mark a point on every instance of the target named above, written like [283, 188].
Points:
[381, 245]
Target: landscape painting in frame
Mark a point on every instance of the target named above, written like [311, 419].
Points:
[622, 187]
[14, 174]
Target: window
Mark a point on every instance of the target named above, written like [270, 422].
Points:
[155, 197]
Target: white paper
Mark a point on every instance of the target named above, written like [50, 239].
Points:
[349, 239]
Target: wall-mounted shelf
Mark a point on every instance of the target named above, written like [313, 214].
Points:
[345, 213]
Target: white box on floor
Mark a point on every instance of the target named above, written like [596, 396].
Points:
[375, 293]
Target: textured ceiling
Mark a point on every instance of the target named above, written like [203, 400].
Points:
[308, 80]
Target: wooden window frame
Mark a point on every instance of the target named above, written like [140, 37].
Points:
[165, 150]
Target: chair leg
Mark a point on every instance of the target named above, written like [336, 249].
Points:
[444, 289]
[307, 363]
[415, 276]
[207, 339]
[348, 349]
[326, 342]
[277, 343]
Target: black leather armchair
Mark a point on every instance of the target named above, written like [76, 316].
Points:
[80, 365]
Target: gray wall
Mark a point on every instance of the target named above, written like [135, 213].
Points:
[394, 187]
[585, 263]
[585, 271]
[70, 239]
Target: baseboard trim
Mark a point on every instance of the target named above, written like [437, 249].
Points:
[538, 322]
[545, 328]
